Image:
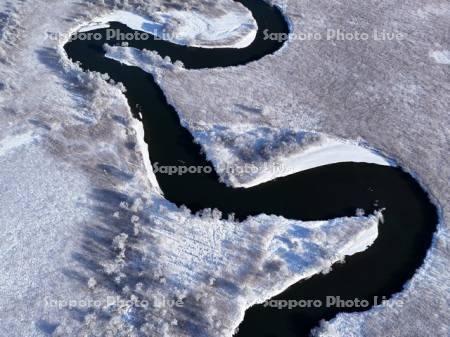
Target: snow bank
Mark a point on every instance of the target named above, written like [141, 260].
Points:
[232, 29]
[441, 56]
[143, 149]
[326, 152]
[302, 151]
[331, 151]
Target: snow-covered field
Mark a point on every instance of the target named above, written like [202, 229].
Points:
[77, 200]
[391, 94]
[82, 220]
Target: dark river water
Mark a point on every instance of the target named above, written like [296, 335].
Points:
[321, 193]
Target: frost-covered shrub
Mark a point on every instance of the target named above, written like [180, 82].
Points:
[251, 151]
[264, 143]
[120, 241]
[92, 283]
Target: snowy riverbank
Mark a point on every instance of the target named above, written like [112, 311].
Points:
[354, 91]
[224, 145]
[329, 152]
[232, 29]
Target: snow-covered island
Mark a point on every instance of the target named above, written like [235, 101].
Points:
[85, 230]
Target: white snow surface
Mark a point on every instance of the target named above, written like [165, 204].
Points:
[392, 95]
[327, 151]
[331, 151]
[368, 323]
[143, 148]
[96, 182]
[241, 264]
[234, 29]
[82, 219]
[441, 56]
[41, 207]
[14, 142]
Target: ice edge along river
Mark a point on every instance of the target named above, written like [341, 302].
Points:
[331, 151]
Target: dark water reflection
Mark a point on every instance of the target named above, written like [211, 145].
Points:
[322, 193]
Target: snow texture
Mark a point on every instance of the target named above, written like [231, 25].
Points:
[243, 145]
[233, 29]
[441, 57]
[78, 180]
[390, 94]
[83, 222]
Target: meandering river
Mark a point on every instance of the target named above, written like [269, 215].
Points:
[321, 193]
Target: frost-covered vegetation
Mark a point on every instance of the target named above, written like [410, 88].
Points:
[81, 221]
[246, 155]
[171, 273]
[392, 95]
[209, 24]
